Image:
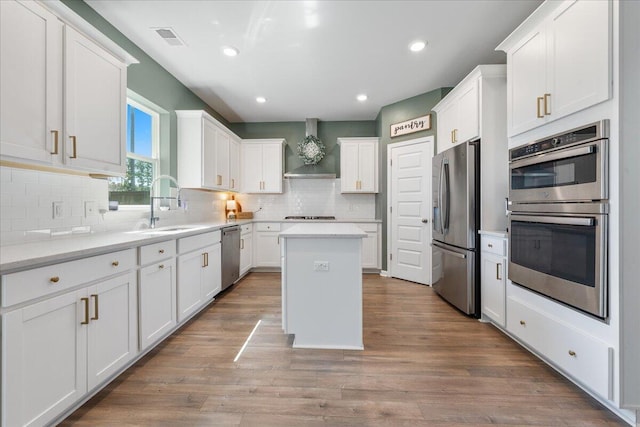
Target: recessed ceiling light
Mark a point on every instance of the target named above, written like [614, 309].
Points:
[417, 46]
[261, 99]
[362, 97]
[230, 51]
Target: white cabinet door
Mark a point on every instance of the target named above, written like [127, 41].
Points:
[189, 283]
[526, 83]
[211, 272]
[251, 168]
[493, 287]
[446, 122]
[95, 106]
[221, 165]
[468, 117]
[272, 168]
[349, 162]
[208, 154]
[368, 166]
[113, 327]
[44, 359]
[30, 82]
[246, 253]
[370, 251]
[267, 249]
[578, 57]
[234, 165]
[157, 312]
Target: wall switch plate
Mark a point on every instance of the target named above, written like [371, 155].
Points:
[321, 265]
[58, 210]
[90, 209]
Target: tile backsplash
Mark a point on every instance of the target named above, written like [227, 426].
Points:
[27, 212]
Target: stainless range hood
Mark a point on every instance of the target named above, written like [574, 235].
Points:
[319, 171]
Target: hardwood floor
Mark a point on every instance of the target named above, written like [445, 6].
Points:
[424, 364]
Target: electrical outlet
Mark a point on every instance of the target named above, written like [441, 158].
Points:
[57, 210]
[90, 209]
[321, 266]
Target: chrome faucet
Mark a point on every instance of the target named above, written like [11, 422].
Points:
[152, 217]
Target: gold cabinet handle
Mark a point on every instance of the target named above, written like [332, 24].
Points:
[55, 141]
[498, 272]
[85, 301]
[539, 113]
[73, 141]
[95, 307]
[54, 279]
[161, 266]
[161, 251]
[452, 141]
[233, 183]
[241, 243]
[572, 353]
[455, 135]
[218, 179]
[523, 323]
[205, 259]
[115, 263]
[547, 106]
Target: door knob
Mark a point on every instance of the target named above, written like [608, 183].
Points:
[425, 220]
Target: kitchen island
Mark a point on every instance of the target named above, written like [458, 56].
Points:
[322, 285]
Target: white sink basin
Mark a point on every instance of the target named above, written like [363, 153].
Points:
[169, 230]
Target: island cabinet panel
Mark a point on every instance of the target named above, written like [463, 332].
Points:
[560, 66]
[63, 96]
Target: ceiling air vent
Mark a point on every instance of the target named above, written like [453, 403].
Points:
[169, 36]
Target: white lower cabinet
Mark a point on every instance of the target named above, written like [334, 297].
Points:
[493, 278]
[199, 272]
[585, 358]
[157, 290]
[370, 246]
[246, 248]
[55, 351]
[267, 244]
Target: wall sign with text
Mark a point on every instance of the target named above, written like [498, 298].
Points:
[411, 126]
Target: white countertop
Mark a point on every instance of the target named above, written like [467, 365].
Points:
[327, 229]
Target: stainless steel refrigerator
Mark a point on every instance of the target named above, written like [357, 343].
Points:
[456, 217]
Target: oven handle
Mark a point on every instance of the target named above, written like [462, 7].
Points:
[449, 251]
[556, 155]
[586, 222]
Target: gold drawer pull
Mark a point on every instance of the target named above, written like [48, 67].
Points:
[539, 113]
[161, 251]
[523, 323]
[572, 353]
[115, 263]
[55, 142]
[54, 279]
[161, 266]
[75, 153]
[86, 311]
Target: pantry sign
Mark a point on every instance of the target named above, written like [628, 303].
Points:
[411, 126]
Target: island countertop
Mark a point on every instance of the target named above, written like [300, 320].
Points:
[315, 229]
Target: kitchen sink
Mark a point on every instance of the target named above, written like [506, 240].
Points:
[168, 230]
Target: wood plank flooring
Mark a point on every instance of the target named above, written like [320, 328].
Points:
[424, 364]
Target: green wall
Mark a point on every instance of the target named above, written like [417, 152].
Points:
[293, 132]
[410, 108]
[152, 82]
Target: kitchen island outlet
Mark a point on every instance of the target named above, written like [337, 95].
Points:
[322, 285]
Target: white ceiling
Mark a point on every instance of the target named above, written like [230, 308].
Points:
[311, 58]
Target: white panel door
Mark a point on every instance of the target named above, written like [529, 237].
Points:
[410, 196]
[189, 283]
[113, 326]
[30, 82]
[212, 272]
[95, 106]
[157, 301]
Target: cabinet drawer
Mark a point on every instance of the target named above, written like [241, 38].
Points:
[583, 357]
[369, 228]
[494, 245]
[188, 244]
[246, 228]
[268, 226]
[152, 253]
[26, 285]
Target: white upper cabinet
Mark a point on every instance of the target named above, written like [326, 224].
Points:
[234, 165]
[459, 115]
[358, 165]
[262, 165]
[558, 62]
[49, 71]
[205, 152]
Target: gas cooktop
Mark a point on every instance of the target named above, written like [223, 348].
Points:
[308, 217]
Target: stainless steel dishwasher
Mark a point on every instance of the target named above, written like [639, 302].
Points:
[230, 255]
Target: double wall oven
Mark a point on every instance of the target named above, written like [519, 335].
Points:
[559, 217]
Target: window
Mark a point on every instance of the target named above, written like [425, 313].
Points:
[142, 156]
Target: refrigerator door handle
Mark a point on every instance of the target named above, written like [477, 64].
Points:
[447, 204]
[449, 251]
[440, 198]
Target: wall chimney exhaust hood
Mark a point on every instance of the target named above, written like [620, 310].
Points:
[318, 171]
